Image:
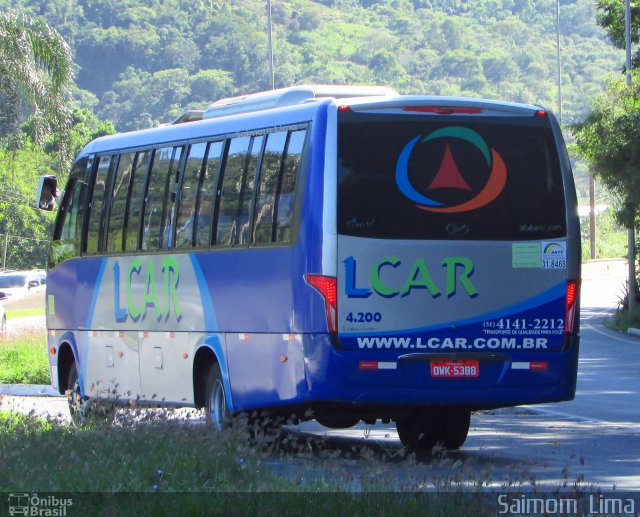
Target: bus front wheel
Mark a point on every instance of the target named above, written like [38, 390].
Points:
[216, 409]
[78, 405]
[423, 429]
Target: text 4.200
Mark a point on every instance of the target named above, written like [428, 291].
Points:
[364, 317]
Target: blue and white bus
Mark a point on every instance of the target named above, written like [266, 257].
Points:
[341, 253]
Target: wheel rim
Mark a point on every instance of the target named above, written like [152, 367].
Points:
[218, 406]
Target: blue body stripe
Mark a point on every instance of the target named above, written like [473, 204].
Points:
[210, 319]
[96, 292]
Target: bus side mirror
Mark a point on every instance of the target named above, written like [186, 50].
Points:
[46, 192]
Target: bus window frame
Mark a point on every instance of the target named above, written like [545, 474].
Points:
[223, 173]
[113, 172]
[179, 196]
[214, 187]
[243, 188]
[127, 206]
[216, 204]
[175, 192]
[301, 181]
[66, 200]
[92, 163]
[90, 197]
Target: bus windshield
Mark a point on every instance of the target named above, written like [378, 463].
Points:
[418, 177]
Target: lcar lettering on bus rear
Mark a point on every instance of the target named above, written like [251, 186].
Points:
[139, 301]
[457, 271]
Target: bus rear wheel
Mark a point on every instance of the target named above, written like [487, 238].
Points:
[218, 415]
[423, 429]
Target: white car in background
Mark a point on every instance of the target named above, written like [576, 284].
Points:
[15, 283]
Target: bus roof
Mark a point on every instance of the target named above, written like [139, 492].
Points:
[290, 96]
[264, 109]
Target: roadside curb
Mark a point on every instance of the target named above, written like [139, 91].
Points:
[28, 390]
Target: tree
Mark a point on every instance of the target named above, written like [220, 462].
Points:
[85, 127]
[210, 85]
[611, 18]
[609, 139]
[36, 73]
[140, 99]
[26, 226]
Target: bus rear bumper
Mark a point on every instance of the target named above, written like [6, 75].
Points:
[396, 378]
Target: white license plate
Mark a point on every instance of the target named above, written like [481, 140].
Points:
[455, 369]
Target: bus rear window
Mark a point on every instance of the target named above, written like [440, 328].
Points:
[407, 177]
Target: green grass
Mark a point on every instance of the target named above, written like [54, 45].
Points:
[611, 239]
[157, 462]
[622, 320]
[23, 358]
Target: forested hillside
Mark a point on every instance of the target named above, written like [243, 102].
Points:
[141, 62]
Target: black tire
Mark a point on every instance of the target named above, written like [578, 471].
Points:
[418, 431]
[455, 428]
[423, 429]
[215, 402]
[78, 405]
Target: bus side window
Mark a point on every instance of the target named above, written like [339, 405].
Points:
[67, 237]
[168, 215]
[230, 195]
[283, 231]
[115, 231]
[136, 201]
[267, 187]
[96, 206]
[247, 190]
[207, 194]
[157, 228]
[189, 195]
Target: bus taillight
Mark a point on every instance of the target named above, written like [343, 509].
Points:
[573, 286]
[327, 286]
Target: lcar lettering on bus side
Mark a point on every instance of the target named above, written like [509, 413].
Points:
[137, 276]
[458, 271]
